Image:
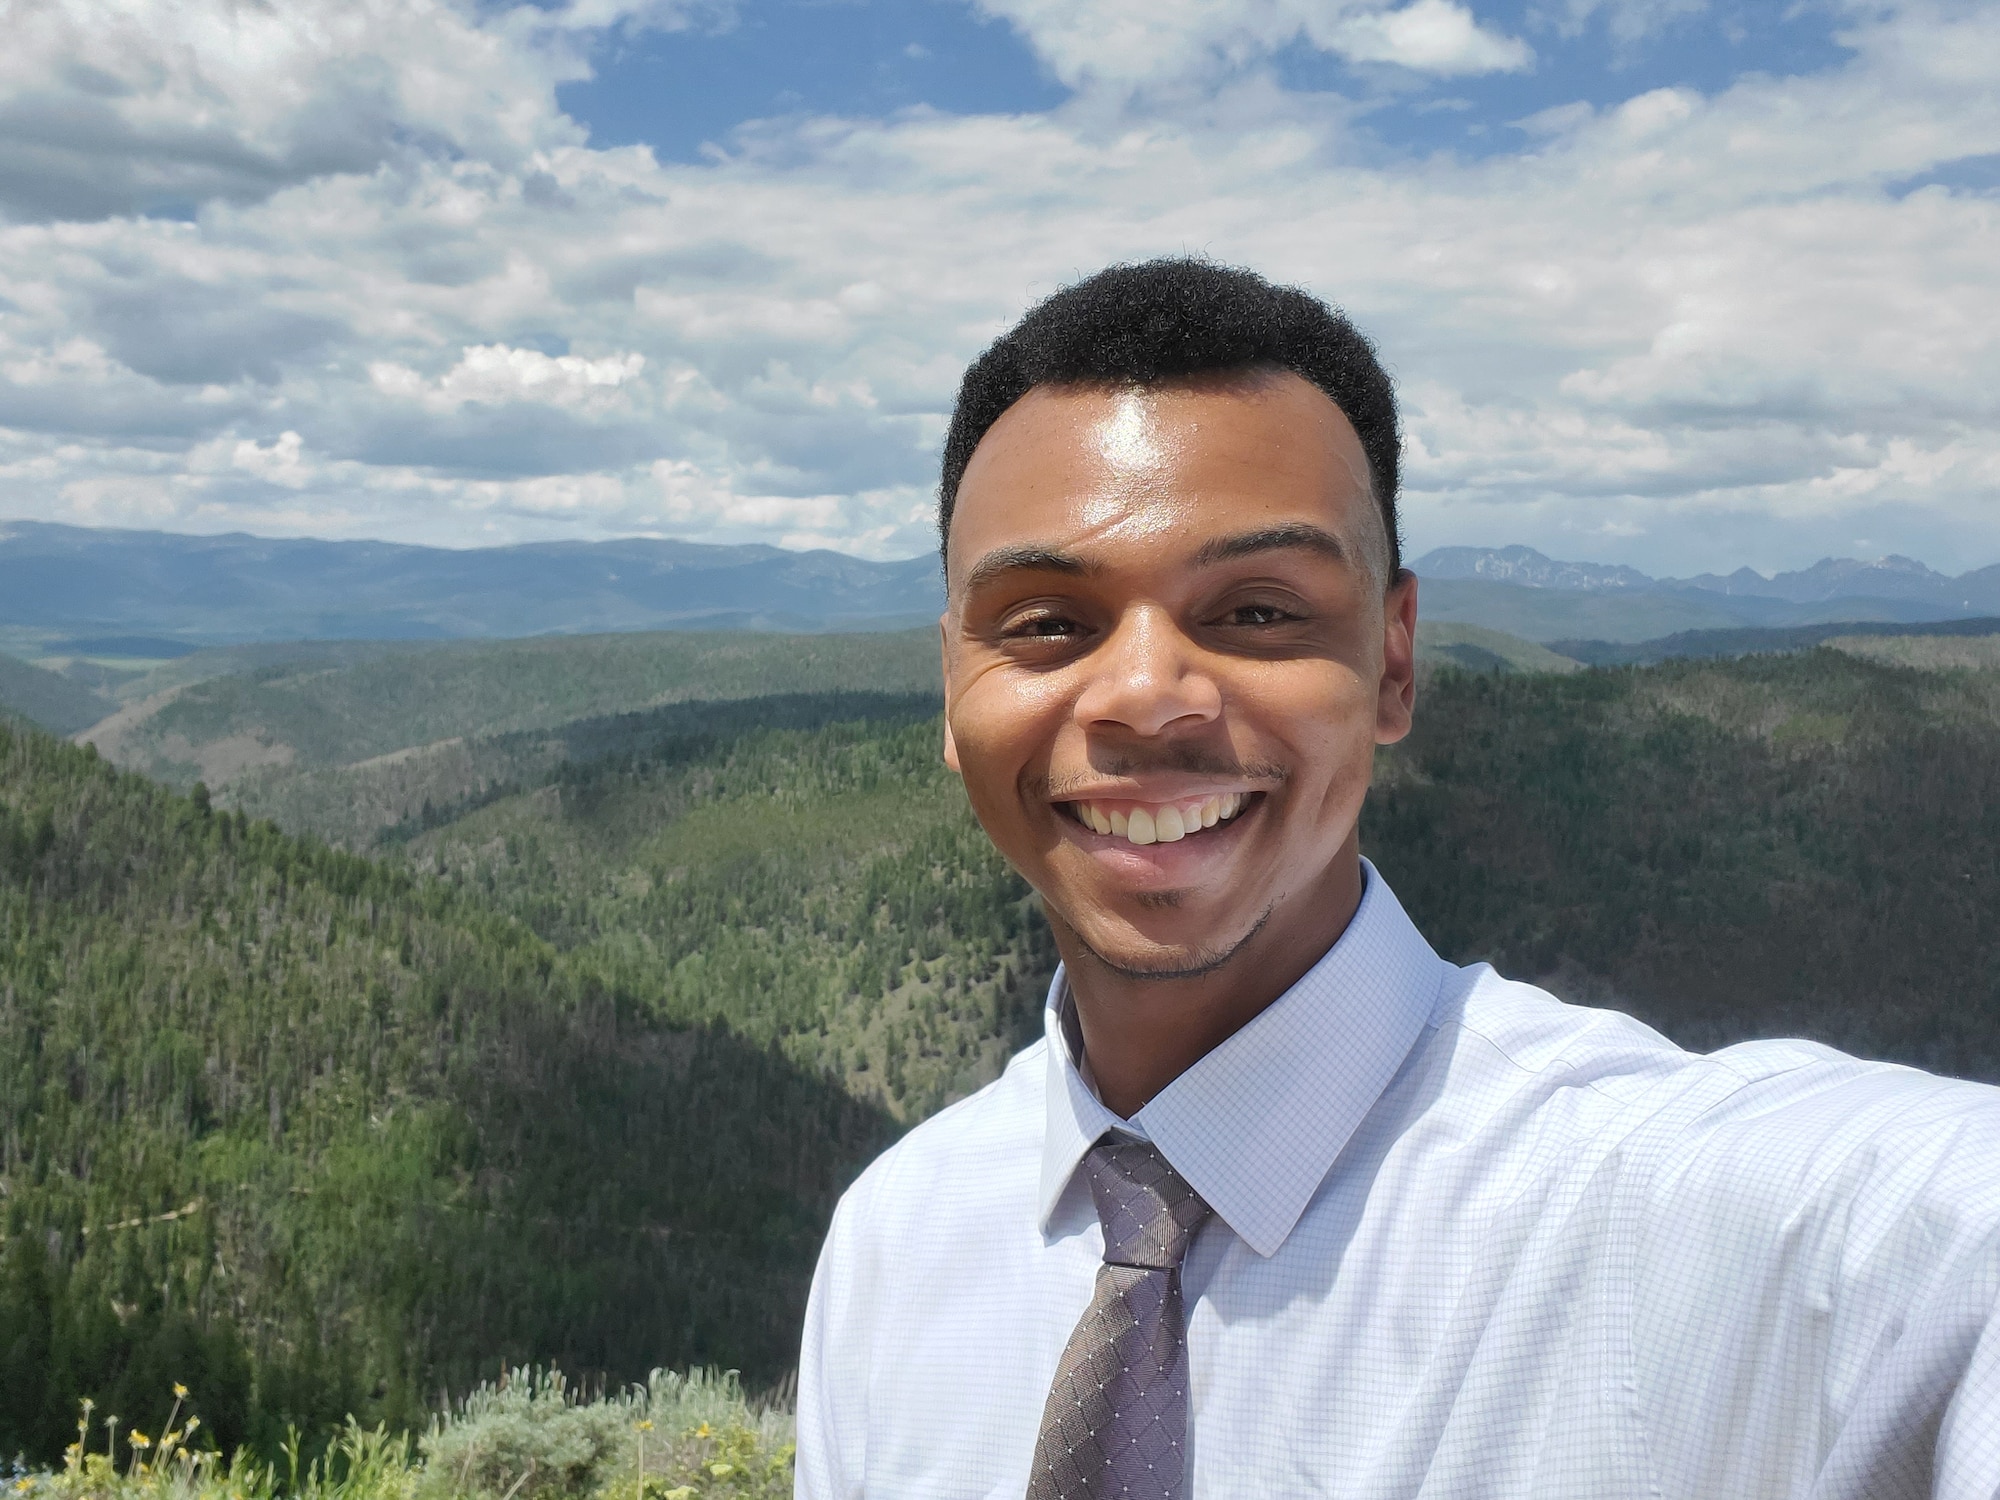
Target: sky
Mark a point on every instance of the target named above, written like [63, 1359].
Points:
[1683, 284]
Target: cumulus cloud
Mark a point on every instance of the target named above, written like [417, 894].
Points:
[1150, 41]
[496, 375]
[1628, 21]
[157, 106]
[1426, 36]
[1716, 322]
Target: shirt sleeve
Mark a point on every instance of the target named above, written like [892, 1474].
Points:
[1968, 1449]
[1819, 1301]
[832, 1419]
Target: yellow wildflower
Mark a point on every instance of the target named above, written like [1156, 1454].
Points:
[644, 1425]
[138, 1439]
[704, 1431]
[180, 1390]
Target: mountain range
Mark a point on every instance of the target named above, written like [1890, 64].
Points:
[1829, 579]
[1540, 598]
[70, 594]
[160, 591]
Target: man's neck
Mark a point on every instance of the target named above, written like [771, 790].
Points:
[1140, 1034]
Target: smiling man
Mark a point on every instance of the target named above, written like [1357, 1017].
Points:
[1283, 1203]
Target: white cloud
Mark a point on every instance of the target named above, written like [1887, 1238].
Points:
[1152, 41]
[1689, 329]
[1426, 36]
[497, 375]
[1628, 21]
[124, 106]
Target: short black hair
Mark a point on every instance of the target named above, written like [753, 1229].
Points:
[1163, 320]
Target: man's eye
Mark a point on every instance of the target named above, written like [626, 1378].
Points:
[1258, 614]
[1043, 627]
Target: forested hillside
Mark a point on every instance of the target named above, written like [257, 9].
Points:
[1780, 845]
[822, 888]
[317, 1136]
[572, 1064]
[299, 713]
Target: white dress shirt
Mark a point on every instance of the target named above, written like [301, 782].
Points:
[1468, 1241]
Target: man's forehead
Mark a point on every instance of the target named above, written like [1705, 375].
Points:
[1094, 471]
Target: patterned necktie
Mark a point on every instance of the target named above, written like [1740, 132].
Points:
[1115, 1427]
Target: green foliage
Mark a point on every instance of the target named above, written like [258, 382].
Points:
[48, 700]
[319, 1136]
[390, 799]
[305, 714]
[571, 1066]
[1804, 845]
[1931, 653]
[822, 890]
[1475, 648]
[526, 1436]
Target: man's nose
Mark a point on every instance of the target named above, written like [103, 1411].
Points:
[1147, 677]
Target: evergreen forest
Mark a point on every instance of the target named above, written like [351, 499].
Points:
[551, 1039]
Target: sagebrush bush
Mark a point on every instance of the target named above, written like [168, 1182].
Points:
[526, 1436]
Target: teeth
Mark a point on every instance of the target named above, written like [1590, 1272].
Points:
[1162, 825]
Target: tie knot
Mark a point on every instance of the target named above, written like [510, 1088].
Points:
[1148, 1211]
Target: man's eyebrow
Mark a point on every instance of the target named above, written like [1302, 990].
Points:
[1293, 535]
[1025, 559]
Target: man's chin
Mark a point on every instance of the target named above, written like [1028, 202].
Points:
[1132, 955]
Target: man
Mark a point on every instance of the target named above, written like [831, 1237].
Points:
[1283, 1204]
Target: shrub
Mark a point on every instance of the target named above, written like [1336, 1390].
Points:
[526, 1436]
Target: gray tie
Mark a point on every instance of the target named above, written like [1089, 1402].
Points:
[1115, 1427]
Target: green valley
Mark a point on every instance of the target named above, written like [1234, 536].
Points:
[320, 1136]
[565, 1051]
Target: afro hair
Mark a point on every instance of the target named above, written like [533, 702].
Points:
[1165, 320]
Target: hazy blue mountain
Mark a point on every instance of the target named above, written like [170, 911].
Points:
[48, 699]
[70, 592]
[1526, 567]
[78, 582]
[1845, 578]
[1549, 615]
[1758, 641]
[1521, 590]
[1830, 578]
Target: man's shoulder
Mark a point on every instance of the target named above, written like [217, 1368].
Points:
[1533, 1034]
[1781, 1116]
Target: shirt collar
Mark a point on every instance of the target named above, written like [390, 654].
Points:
[1255, 1125]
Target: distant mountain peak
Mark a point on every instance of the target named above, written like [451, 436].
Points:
[1891, 577]
[1527, 568]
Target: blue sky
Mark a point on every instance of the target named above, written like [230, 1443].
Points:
[1686, 284]
[684, 91]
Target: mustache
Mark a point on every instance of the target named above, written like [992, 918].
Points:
[1190, 760]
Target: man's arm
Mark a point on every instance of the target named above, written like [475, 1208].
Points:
[1818, 1296]
[832, 1374]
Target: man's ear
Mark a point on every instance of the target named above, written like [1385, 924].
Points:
[1396, 697]
[944, 654]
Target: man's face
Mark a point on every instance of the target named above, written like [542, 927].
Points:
[1169, 654]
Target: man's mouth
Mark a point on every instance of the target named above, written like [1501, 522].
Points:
[1159, 822]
